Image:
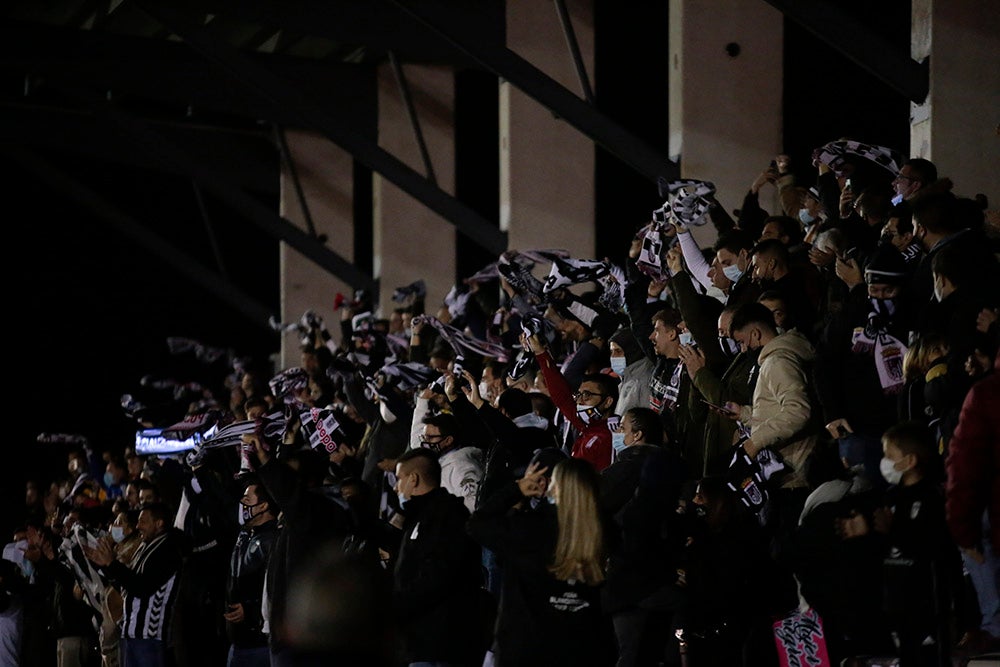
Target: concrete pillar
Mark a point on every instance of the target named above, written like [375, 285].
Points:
[957, 127]
[411, 241]
[725, 110]
[546, 165]
[326, 175]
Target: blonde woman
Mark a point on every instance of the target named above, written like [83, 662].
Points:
[551, 541]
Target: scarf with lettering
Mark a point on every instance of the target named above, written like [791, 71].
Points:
[886, 350]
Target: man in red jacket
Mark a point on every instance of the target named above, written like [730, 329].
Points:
[587, 410]
[973, 499]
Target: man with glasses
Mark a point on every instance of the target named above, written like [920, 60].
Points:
[587, 409]
[461, 465]
[916, 173]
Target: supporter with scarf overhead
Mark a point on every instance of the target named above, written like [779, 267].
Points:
[859, 369]
[586, 410]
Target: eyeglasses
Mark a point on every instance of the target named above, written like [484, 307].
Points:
[900, 177]
[587, 395]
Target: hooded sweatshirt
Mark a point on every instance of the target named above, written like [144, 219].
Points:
[782, 415]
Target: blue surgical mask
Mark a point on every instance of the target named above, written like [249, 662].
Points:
[402, 500]
[805, 217]
[732, 272]
[686, 338]
[550, 499]
[109, 480]
[897, 200]
[618, 442]
[618, 365]
[117, 533]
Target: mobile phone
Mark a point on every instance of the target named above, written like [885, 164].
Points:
[720, 408]
[847, 184]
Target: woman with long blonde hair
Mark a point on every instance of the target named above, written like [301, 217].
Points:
[579, 552]
[551, 542]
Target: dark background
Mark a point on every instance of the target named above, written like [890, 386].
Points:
[91, 310]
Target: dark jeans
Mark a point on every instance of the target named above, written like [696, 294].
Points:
[257, 656]
[143, 653]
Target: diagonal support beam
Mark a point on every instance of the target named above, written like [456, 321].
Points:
[136, 232]
[220, 185]
[310, 115]
[860, 44]
[511, 67]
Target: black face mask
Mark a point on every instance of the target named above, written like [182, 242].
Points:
[730, 347]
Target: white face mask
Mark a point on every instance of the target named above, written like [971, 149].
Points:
[888, 469]
[587, 413]
[618, 365]
[484, 390]
[732, 272]
[117, 533]
[938, 291]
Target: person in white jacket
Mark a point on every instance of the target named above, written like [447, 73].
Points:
[461, 465]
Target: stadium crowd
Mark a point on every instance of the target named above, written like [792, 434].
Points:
[783, 446]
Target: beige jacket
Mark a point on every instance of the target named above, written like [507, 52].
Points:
[781, 414]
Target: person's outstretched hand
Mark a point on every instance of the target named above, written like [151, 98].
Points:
[531, 484]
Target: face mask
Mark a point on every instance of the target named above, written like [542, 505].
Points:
[618, 365]
[686, 338]
[729, 346]
[246, 513]
[587, 413]
[779, 330]
[117, 533]
[884, 307]
[484, 389]
[550, 499]
[28, 568]
[618, 442]
[732, 272]
[897, 200]
[109, 480]
[938, 292]
[402, 500]
[888, 469]
[805, 217]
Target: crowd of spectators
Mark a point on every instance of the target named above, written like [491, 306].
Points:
[786, 442]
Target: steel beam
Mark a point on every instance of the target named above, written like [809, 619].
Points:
[860, 44]
[311, 115]
[520, 73]
[221, 186]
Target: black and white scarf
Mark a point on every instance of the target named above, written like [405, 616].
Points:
[687, 202]
[203, 353]
[834, 155]
[569, 271]
[887, 351]
[461, 342]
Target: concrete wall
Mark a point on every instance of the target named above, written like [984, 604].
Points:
[326, 175]
[958, 126]
[546, 165]
[411, 241]
[725, 112]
